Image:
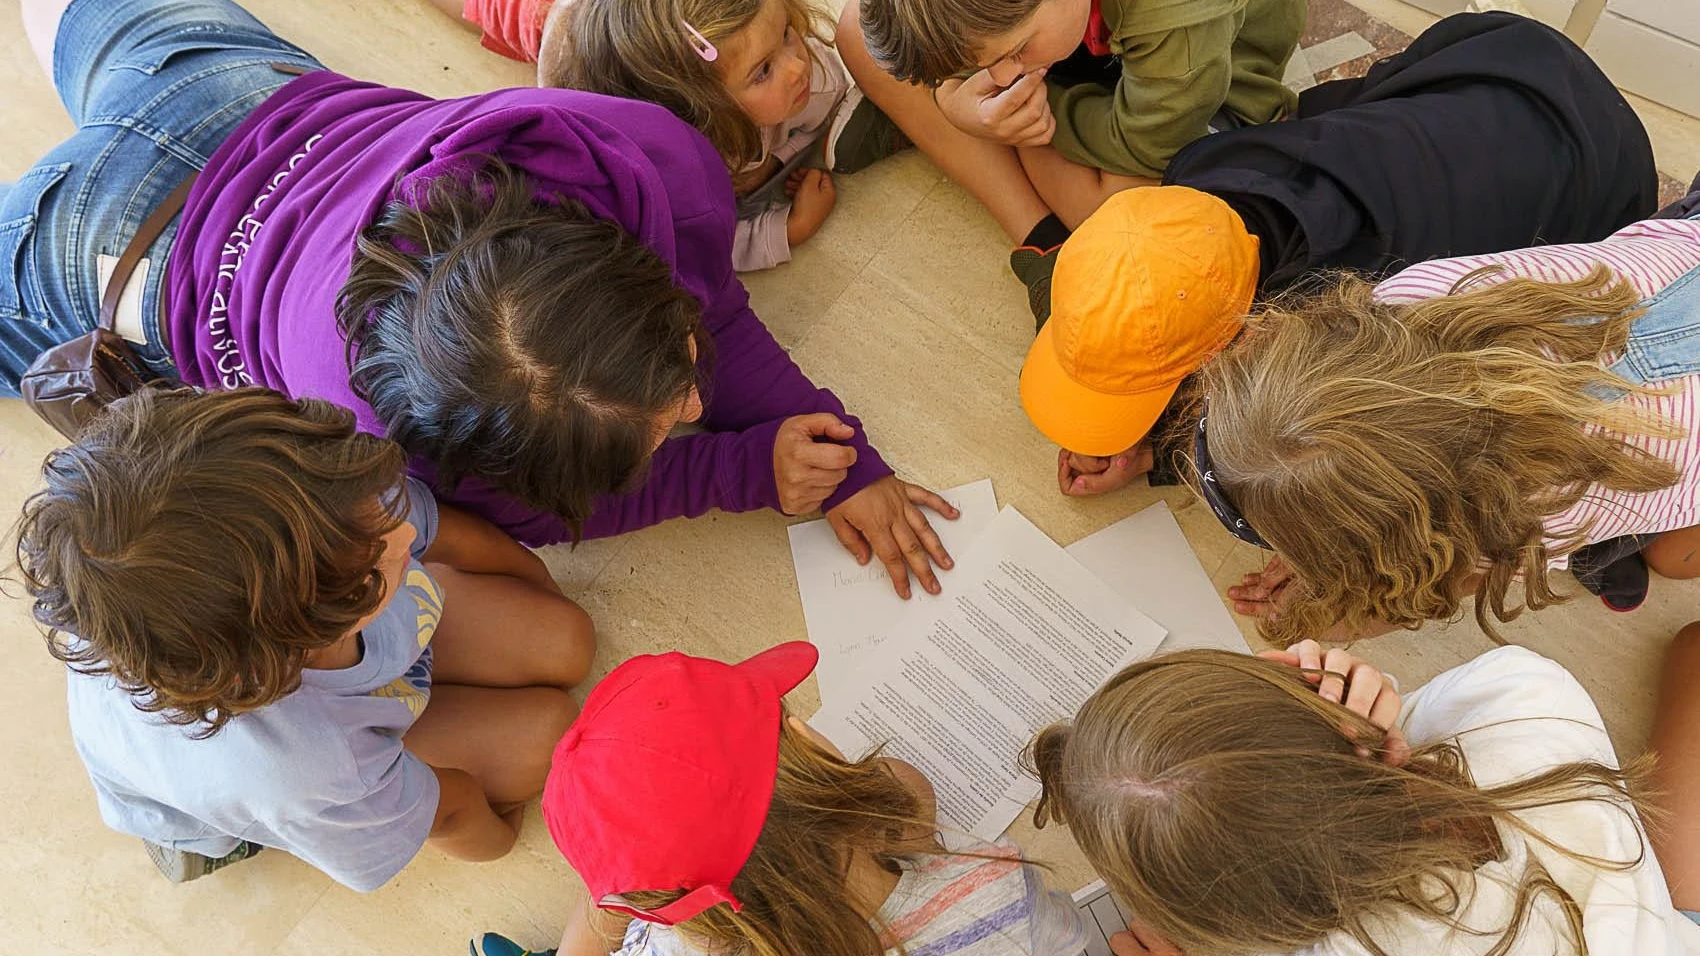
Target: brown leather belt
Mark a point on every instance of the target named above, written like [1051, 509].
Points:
[151, 229]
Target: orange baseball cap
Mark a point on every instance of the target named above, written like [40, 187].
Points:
[1159, 279]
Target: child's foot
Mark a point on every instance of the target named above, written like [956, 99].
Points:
[181, 866]
[1614, 570]
[1033, 266]
[495, 944]
[861, 135]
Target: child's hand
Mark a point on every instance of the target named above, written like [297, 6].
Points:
[1017, 116]
[1139, 940]
[1082, 475]
[812, 200]
[1345, 679]
[1261, 593]
[884, 520]
[806, 471]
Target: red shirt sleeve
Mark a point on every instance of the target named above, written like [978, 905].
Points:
[513, 28]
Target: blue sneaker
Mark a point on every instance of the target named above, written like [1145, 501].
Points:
[495, 944]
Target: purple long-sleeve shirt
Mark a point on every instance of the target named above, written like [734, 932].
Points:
[267, 238]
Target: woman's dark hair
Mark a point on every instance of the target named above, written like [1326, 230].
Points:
[520, 340]
[196, 547]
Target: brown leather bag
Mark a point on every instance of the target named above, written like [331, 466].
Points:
[69, 384]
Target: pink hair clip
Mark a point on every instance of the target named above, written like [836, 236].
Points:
[700, 43]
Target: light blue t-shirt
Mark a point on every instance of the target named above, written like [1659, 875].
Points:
[320, 773]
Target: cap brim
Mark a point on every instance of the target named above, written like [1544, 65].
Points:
[1078, 418]
[783, 666]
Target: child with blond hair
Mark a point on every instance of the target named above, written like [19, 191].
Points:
[704, 819]
[1236, 811]
[1461, 430]
[276, 639]
[759, 78]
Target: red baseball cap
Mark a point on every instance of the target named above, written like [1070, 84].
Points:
[664, 781]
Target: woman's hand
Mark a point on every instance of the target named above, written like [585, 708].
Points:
[1261, 593]
[1345, 679]
[1080, 475]
[884, 520]
[807, 471]
[1019, 115]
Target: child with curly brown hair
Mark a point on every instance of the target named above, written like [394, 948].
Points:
[275, 639]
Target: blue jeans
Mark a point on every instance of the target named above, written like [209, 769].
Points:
[154, 87]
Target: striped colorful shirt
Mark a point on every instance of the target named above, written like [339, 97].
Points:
[991, 904]
[1649, 255]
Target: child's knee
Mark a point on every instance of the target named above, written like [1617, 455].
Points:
[1675, 554]
[552, 712]
[1685, 647]
[577, 635]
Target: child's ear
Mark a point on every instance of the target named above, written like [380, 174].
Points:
[802, 729]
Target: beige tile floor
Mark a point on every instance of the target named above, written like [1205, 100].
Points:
[902, 304]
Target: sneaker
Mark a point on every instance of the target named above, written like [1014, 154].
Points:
[1033, 266]
[1614, 571]
[181, 866]
[861, 135]
[495, 944]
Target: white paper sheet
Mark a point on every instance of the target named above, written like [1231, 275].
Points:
[849, 608]
[1146, 559]
[1024, 635]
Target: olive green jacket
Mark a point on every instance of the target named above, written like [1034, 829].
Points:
[1182, 60]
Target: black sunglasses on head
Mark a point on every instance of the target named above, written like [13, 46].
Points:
[1214, 496]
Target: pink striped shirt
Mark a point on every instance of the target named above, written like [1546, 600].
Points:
[1649, 255]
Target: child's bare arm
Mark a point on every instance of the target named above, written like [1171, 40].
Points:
[453, 8]
[592, 932]
[466, 826]
[467, 542]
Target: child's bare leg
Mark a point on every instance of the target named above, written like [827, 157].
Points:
[41, 25]
[499, 631]
[1073, 191]
[1675, 554]
[1676, 778]
[503, 656]
[502, 736]
[454, 8]
[991, 172]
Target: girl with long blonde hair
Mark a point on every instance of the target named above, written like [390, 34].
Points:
[759, 78]
[1460, 430]
[1234, 811]
[705, 820]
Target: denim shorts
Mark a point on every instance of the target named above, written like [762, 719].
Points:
[154, 86]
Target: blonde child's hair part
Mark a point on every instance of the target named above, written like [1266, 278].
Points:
[793, 887]
[1224, 801]
[641, 50]
[1391, 452]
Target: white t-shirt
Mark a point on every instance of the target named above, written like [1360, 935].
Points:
[1516, 714]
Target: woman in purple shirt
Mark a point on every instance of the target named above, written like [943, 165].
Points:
[528, 289]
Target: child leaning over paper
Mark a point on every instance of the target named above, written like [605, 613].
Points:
[704, 819]
[1235, 810]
